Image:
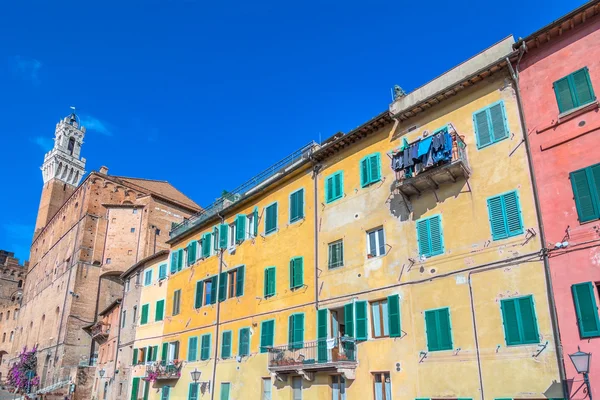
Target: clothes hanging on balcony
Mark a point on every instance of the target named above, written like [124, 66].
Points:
[405, 144]
[424, 145]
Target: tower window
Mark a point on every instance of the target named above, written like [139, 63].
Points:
[71, 145]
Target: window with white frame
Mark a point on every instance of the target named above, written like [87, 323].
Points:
[266, 388]
[250, 225]
[375, 243]
[231, 242]
[338, 387]
[297, 388]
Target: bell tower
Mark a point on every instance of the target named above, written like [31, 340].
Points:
[63, 168]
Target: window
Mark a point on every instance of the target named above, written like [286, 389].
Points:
[375, 243]
[586, 191]
[370, 170]
[430, 236]
[269, 288]
[267, 331]
[205, 350]
[266, 388]
[206, 245]
[145, 311]
[379, 319]
[491, 124]
[108, 260]
[438, 329]
[134, 319]
[271, 218]
[222, 286]
[334, 187]
[148, 278]
[235, 278]
[296, 331]
[134, 388]
[225, 391]
[162, 272]
[240, 228]
[231, 279]
[135, 211]
[232, 242]
[160, 311]
[223, 230]
[132, 230]
[297, 206]
[192, 351]
[586, 309]
[226, 345]
[209, 288]
[176, 301]
[191, 252]
[252, 223]
[165, 392]
[123, 318]
[193, 391]
[296, 272]
[244, 345]
[520, 322]
[127, 283]
[173, 351]
[120, 389]
[574, 90]
[505, 215]
[338, 387]
[382, 386]
[297, 388]
[336, 254]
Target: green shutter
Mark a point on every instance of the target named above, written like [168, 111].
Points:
[223, 236]
[225, 391]
[361, 320]
[334, 187]
[497, 118]
[191, 253]
[528, 320]
[164, 352]
[296, 272]
[563, 94]
[518, 317]
[255, 221]
[430, 236]
[349, 319]
[206, 243]
[338, 185]
[145, 310]
[482, 129]
[162, 271]
[213, 289]
[165, 392]
[193, 391]
[514, 223]
[298, 338]
[154, 353]
[239, 284]
[135, 385]
[297, 205]
[240, 228]
[445, 329]
[226, 345]
[174, 262]
[270, 281]
[375, 168]
[423, 237]
[244, 343]
[582, 87]
[394, 315]
[431, 331]
[205, 350]
[148, 353]
[328, 189]
[496, 217]
[505, 215]
[199, 293]
[586, 190]
[223, 286]
[586, 309]
[179, 259]
[192, 351]
[267, 329]
[438, 329]
[160, 310]
[271, 218]
[364, 172]
[134, 360]
[322, 354]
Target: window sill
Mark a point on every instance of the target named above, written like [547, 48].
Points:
[296, 221]
[333, 200]
[271, 233]
[569, 115]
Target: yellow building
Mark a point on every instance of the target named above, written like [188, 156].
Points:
[398, 261]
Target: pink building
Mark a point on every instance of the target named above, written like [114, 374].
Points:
[559, 80]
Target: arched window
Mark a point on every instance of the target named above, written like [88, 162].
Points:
[12, 335]
[7, 315]
[20, 284]
[71, 145]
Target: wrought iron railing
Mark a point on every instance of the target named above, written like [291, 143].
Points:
[100, 329]
[163, 370]
[314, 353]
[245, 189]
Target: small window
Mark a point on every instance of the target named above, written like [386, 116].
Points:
[206, 245]
[375, 243]
[271, 219]
[586, 191]
[382, 385]
[334, 187]
[132, 230]
[370, 170]
[574, 90]
[267, 334]
[138, 278]
[232, 279]
[491, 125]
[127, 283]
[148, 278]
[505, 215]
[176, 301]
[269, 287]
[162, 272]
[165, 393]
[430, 236]
[297, 206]
[297, 388]
[192, 350]
[267, 385]
[379, 319]
[520, 322]
[336, 254]
[135, 211]
[134, 314]
[338, 387]
[123, 318]
[108, 261]
[145, 312]
[438, 329]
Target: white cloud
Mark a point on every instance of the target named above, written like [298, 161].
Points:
[43, 142]
[97, 125]
[26, 68]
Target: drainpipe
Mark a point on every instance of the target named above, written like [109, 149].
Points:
[514, 73]
[476, 336]
[214, 372]
[119, 332]
[316, 169]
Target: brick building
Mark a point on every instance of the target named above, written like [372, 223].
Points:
[85, 231]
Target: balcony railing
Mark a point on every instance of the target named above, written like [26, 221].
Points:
[320, 354]
[100, 331]
[414, 181]
[162, 370]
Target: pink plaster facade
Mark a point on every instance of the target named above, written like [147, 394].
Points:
[560, 146]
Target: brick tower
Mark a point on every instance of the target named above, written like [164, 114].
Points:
[62, 170]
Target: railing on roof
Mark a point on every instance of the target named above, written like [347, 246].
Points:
[245, 189]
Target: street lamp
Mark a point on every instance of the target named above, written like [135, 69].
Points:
[195, 375]
[581, 361]
[101, 373]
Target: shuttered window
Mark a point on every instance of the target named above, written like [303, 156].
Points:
[179, 259]
[586, 192]
[586, 309]
[574, 90]
[145, 312]
[375, 243]
[176, 302]
[206, 245]
[322, 353]
[269, 288]
[225, 388]
[160, 310]
[244, 344]
[134, 360]
[360, 312]
[239, 281]
[267, 332]
[297, 205]
[205, 347]
[490, 124]
[192, 351]
[394, 315]
[271, 218]
[520, 322]
[438, 329]
[198, 294]
[148, 278]
[334, 187]
[370, 170]
[193, 391]
[191, 253]
[240, 228]
[223, 231]
[222, 286]
[135, 388]
[162, 272]
[505, 215]
[296, 331]
[165, 393]
[296, 272]
[336, 254]
[226, 345]
[174, 261]
[430, 236]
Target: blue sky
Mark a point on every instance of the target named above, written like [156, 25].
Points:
[207, 94]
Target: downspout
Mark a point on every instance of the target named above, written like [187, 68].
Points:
[514, 73]
[214, 372]
[316, 169]
[476, 336]
[119, 331]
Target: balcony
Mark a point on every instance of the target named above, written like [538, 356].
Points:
[100, 331]
[440, 173]
[162, 371]
[338, 355]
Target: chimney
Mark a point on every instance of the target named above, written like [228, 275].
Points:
[104, 170]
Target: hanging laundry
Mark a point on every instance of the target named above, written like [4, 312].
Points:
[405, 144]
[424, 145]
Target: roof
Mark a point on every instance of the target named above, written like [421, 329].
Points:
[110, 307]
[160, 188]
[567, 22]
[143, 262]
